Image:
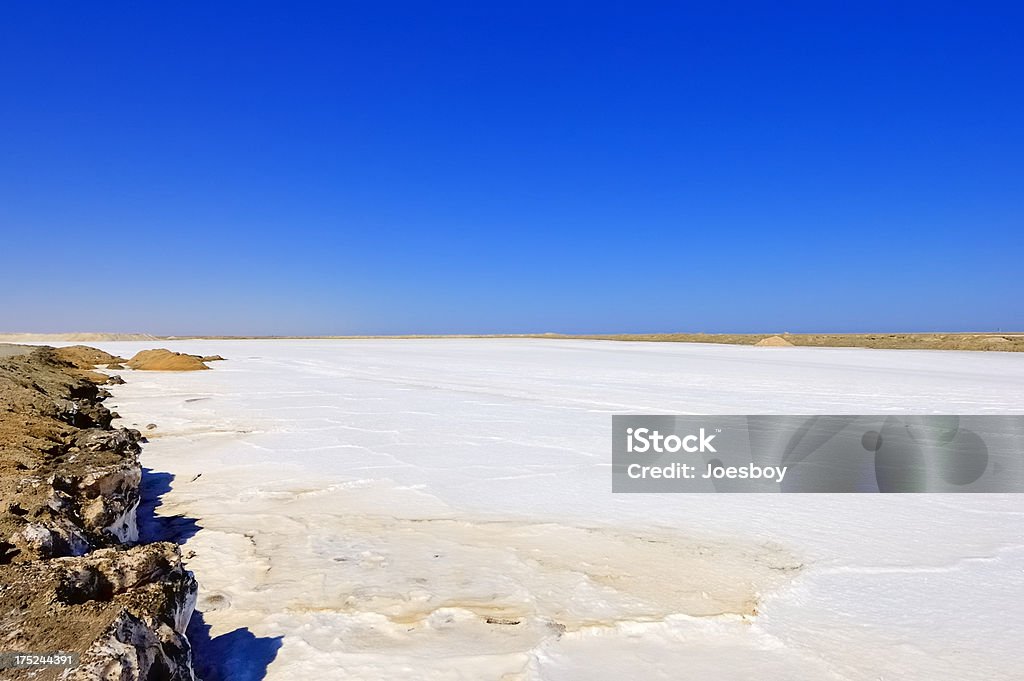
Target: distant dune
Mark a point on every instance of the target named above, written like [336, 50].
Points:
[1006, 342]
[73, 337]
[999, 341]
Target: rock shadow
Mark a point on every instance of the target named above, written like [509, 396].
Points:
[238, 655]
[153, 527]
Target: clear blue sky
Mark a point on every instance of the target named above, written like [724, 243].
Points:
[290, 167]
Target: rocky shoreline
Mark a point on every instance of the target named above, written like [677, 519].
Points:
[73, 576]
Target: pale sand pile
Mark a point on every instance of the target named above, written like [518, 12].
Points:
[774, 342]
[165, 360]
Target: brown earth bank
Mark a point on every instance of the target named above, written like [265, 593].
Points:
[71, 575]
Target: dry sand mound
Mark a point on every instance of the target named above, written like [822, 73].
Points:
[165, 360]
[774, 342]
[84, 357]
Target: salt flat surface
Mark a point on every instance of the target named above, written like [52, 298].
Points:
[441, 509]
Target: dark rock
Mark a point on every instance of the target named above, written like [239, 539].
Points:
[118, 440]
[124, 611]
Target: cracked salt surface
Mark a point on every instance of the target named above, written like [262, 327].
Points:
[441, 509]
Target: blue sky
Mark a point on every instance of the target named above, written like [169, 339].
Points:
[308, 168]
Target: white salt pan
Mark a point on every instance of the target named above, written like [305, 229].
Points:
[441, 509]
